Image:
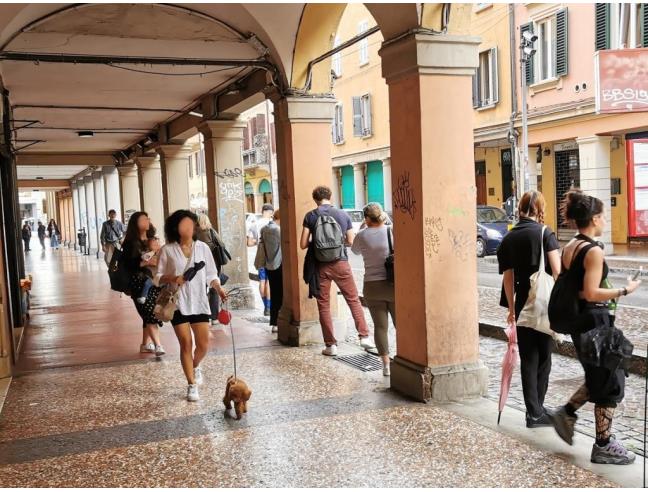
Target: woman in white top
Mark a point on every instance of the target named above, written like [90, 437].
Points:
[378, 292]
[182, 252]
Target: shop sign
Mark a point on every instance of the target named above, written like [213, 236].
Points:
[621, 82]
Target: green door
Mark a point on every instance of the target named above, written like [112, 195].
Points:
[348, 190]
[375, 189]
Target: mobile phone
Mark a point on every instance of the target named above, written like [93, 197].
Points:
[636, 275]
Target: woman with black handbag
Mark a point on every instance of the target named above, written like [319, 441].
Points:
[375, 244]
[208, 235]
[583, 258]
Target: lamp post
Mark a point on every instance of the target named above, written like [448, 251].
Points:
[527, 50]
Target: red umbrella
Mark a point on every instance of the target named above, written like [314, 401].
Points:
[508, 364]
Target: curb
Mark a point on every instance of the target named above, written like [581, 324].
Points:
[610, 261]
[566, 348]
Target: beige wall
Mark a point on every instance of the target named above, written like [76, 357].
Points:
[356, 81]
[620, 212]
[493, 158]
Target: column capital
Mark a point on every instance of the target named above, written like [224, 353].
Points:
[594, 139]
[386, 162]
[174, 151]
[223, 129]
[429, 54]
[302, 109]
[88, 179]
[148, 161]
[106, 170]
[359, 166]
[127, 170]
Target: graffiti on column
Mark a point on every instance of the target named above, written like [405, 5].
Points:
[231, 209]
[229, 173]
[403, 196]
[463, 245]
[432, 241]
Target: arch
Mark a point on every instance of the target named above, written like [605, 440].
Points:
[265, 186]
[249, 189]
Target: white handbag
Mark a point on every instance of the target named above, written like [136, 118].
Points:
[535, 313]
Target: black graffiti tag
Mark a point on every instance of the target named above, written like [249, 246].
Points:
[404, 196]
[230, 173]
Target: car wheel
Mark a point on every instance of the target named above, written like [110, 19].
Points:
[481, 247]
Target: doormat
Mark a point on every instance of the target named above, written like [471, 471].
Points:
[363, 361]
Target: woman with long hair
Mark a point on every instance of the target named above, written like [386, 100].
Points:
[519, 258]
[181, 253]
[135, 243]
[583, 257]
[53, 233]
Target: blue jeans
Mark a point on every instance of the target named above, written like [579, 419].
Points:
[148, 283]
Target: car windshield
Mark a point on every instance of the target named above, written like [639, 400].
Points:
[490, 215]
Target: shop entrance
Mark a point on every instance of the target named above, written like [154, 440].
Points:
[567, 176]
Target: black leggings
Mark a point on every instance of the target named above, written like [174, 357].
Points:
[535, 366]
[275, 277]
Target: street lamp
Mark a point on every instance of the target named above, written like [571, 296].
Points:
[527, 50]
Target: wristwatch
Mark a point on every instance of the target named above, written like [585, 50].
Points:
[624, 291]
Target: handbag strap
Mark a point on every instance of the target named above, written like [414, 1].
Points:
[541, 267]
[389, 240]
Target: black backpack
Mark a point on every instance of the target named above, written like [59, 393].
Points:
[219, 251]
[389, 261]
[564, 303]
[119, 275]
[327, 239]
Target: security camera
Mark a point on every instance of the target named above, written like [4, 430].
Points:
[529, 37]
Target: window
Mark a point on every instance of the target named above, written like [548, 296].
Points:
[620, 25]
[485, 80]
[191, 165]
[337, 58]
[364, 44]
[200, 163]
[362, 116]
[338, 125]
[551, 58]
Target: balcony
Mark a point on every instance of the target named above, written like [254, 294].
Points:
[258, 157]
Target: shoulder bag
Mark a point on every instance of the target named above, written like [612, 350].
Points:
[166, 303]
[389, 261]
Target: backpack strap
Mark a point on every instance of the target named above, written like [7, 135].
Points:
[389, 240]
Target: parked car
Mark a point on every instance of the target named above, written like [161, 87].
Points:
[492, 225]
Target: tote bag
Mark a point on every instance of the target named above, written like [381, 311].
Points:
[535, 313]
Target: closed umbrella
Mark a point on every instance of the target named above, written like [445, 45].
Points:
[508, 364]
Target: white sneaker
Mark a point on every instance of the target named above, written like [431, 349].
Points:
[147, 348]
[198, 377]
[386, 369]
[214, 322]
[331, 350]
[274, 329]
[159, 350]
[192, 393]
[367, 344]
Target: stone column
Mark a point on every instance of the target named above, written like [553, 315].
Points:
[359, 185]
[303, 131]
[434, 197]
[112, 192]
[174, 161]
[387, 184]
[335, 187]
[594, 160]
[100, 207]
[76, 208]
[226, 200]
[130, 191]
[151, 179]
[91, 218]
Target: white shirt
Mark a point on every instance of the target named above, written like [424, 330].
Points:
[192, 298]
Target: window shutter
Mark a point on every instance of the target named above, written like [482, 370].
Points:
[475, 89]
[562, 43]
[644, 25]
[246, 138]
[494, 79]
[340, 123]
[357, 117]
[529, 66]
[368, 129]
[261, 124]
[190, 162]
[602, 25]
[273, 137]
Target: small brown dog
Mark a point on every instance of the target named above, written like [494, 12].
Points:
[237, 391]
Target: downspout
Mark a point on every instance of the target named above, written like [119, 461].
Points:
[513, 134]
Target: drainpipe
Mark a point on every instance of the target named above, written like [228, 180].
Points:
[513, 134]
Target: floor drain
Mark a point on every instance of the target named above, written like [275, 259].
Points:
[364, 361]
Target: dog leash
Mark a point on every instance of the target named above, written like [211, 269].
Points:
[233, 291]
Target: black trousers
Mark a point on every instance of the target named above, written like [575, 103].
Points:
[535, 366]
[26, 241]
[275, 277]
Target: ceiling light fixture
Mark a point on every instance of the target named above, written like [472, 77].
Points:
[196, 113]
[85, 134]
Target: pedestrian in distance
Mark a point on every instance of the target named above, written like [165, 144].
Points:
[54, 234]
[327, 231]
[26, 233]
[208, 235]
[253, 240]
[375, 244]
[270, 246]
[583, 258]
[111, 235]
[182, 252]
[519, 258]
[41, 234]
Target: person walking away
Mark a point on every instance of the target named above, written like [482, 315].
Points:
[253, 240]
[583, 257]
[138, 233]
[41, 234]
[331, 232]
[519, 258]
[373, 243]
[270, 244]
[183, 251]
[53, 233]
[26, 233]
[208, 235]
[112, 232]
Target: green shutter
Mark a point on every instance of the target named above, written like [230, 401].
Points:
[264, 186]
[602, 24]
[375, 188]
[562, 43]
[348, 188]
[644, 25]
[529, 65]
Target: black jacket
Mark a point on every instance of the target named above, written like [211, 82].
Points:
[311, 273]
